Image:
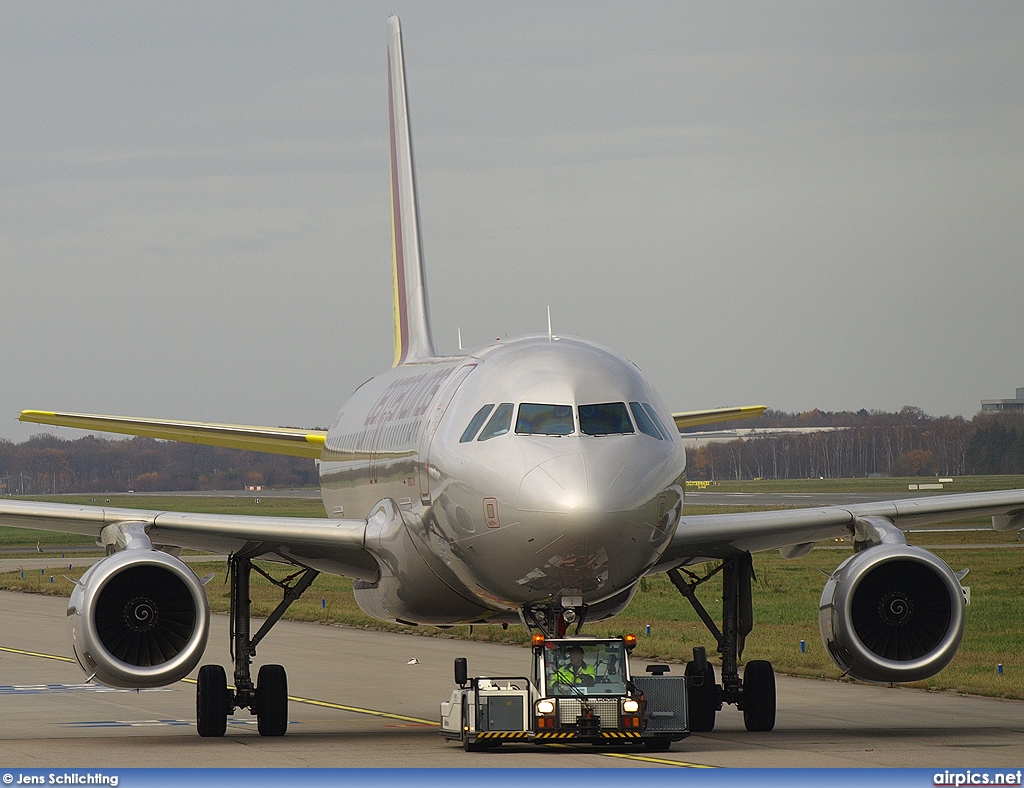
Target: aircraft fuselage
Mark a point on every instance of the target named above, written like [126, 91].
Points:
[532, 468]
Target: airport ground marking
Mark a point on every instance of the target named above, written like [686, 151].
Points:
[644, 758]
[295, 698]
[387, 715]
[326, 704]
[358, 710]
[24, 653]
[660, 761]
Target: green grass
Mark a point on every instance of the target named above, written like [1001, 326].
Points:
[785, 601]
[270, 507]
[895, 484]
[785, 612]
[21, 537]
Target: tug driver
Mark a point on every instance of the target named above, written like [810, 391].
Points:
[576, 672]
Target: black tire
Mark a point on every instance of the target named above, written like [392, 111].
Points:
[703, 699]
[657, 745]
[759, 696]
[212, 701]
[272, 701]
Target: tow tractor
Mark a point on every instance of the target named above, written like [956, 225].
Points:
[581, 691]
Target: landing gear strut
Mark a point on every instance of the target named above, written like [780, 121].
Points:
[555, 618]
[268, 698]
[754, 694]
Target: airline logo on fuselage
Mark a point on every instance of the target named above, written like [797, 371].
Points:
[407, 398]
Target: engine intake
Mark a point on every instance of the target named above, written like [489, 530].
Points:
[892, 613]
[139, 618]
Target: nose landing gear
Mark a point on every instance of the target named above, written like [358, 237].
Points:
[554, 618]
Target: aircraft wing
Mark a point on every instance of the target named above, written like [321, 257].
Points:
[327, 545]
[270, 440]
[793, 531]
[695, 418]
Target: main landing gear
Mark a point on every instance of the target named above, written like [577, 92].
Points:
[268, 697]
[754, 694]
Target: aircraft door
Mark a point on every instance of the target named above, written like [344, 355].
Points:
[433, 420]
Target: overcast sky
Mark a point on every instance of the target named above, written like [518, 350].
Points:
[787, 204]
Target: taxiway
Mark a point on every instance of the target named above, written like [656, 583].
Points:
[358, 702]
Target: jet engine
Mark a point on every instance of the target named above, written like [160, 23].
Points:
[892, 613]
[138, 619]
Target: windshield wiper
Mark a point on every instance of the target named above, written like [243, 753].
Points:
[579, 693]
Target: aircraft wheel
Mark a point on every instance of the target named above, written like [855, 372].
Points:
[272, 701]
[759, 696]
[212, 701]
[703, 699]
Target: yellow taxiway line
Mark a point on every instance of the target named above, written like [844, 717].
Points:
[389, 715]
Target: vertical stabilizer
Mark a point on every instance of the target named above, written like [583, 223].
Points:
[412, 323]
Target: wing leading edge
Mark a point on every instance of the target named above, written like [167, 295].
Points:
[695, 418]
[721, 535]
[336, 546]
[270, 440]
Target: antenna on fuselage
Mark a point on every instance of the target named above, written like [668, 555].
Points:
[460, 337]
[551, 335]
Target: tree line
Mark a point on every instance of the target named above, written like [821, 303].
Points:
[907, 443]
[47, 464]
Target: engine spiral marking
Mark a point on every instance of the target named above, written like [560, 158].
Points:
[141, 614]
[896, 609]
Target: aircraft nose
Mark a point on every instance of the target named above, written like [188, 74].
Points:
[578, 483]
[592, 523]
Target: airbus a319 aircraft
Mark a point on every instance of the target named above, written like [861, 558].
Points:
[535, 481]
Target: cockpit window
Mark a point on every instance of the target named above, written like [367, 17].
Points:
[475, 424]
[657, 421]
[643, 421]
[609, 418]
[499, 423]
[544, 420]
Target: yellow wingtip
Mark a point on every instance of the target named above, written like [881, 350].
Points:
[36, 415]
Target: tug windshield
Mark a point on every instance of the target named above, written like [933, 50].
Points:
[584, 668]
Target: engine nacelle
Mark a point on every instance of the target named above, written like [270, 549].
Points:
[892, 613]
[139, 619]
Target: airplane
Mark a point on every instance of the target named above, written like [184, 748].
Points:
[535, 480]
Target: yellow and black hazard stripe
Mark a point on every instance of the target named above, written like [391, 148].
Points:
[503, 735]
[602, 734]
[576, 735]
[553, 735]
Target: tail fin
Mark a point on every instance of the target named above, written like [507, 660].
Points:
[412, 321]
